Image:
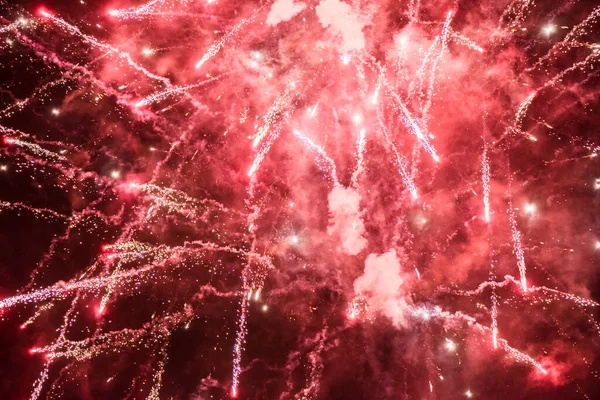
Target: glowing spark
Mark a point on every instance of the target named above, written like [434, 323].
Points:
[218, 45]
[375, 95]
[361, 143]
[518, 248]
[156, 97]
[91, 40]
[313, 111]
[485, 180]
[444, 44]
[548, 29]
[530, 208]
[494, 318]
[328, 162]
[401, 163]
[414, 128]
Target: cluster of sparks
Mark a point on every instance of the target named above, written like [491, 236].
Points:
[207, 202]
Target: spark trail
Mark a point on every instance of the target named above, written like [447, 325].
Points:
[485, 182]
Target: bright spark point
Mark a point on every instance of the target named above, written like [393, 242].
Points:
[294, 239]
[345, 58]
[147, 51]
[357, 118]
[265, 307]
[55, 111]
[115, 174]
[530, 208]
[3, 167]
[313, 111]
[450, 345]
[548, 29]
[469, 394]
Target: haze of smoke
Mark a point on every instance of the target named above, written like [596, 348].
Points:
[346, 220]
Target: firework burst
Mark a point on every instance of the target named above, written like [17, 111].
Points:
[288, 199]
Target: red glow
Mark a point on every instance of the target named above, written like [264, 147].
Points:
[99, 311]
[131, 187]
[43, 12]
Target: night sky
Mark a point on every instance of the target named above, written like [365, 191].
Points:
[328, 199]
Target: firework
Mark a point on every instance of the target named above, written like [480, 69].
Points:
[300, 199]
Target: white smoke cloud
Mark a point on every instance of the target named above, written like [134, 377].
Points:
[346, 220]
[381, 284]
[284, 10]
[342, 20]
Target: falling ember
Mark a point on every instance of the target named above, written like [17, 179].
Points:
[494, 320]
[518, 247]
[401, 163]
[485, 180]
[212, 199]
[361, 143]
[325, 162]
[214, 49]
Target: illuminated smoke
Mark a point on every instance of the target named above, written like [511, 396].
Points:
[382, 283]
[346, 221]
[284, 10]
[342, 20]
